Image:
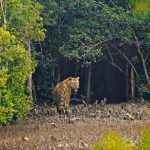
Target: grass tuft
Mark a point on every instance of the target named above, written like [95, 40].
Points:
[111, 140]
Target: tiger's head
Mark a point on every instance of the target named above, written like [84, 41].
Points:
[74, 83]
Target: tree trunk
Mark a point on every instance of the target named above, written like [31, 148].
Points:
[88, 90]
[145, 69]
[143, 60]
[30, 77]
[3, 12]
[58, 73]
[132, 84]
[127, 81]
[77, 69]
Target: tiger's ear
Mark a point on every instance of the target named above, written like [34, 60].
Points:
[70, 78]
[78, 78]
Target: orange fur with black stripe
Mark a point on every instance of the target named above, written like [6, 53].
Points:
[62, 94]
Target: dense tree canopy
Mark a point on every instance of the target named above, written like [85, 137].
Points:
[20, 23]
[22, 18]
[15, 66]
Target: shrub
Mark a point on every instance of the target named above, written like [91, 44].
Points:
[15, 67]
[111, 140]
[144, 143]
[148, 109]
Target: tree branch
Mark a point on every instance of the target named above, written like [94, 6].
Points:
[142, 59]
[147, 56]
[113, 63]
[97, 44]
[9, 20]
[4, 16]
[126, 58]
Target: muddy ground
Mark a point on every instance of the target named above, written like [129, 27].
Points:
[44, 129]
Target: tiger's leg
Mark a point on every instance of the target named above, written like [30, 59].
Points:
[60, 110]
[60, 107]
[68, 112]
[67, 108]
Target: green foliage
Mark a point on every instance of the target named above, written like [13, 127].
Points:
[15, 67]
[140, 7]
[23, 19]
[50, 12]
[148, 110]
[84, 33]
[145, 138]
[43, 79]
[112, 141]
[89, 28]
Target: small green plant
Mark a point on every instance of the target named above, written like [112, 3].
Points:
[148, 109]
[111, 140]
[144, 143]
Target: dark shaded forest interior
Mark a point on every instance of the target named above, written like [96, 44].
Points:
[106, 80]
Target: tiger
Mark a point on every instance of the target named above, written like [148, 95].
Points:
[62, 94]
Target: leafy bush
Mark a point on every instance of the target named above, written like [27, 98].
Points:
[15, 67]
[148, 109]
[112, 141]
[145, 139]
